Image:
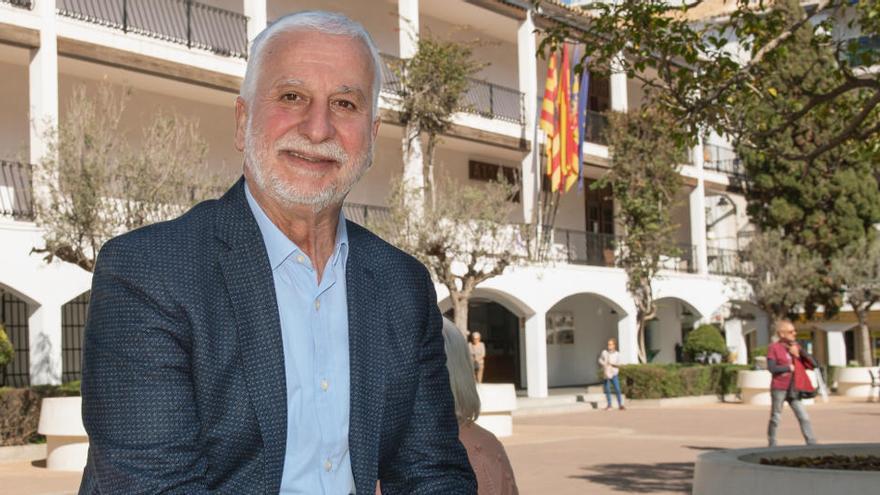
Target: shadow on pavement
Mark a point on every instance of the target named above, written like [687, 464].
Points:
[643, 478]
[703, 447]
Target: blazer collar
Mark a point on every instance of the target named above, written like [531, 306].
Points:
[249, 283]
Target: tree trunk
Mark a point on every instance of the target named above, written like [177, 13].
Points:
[430, 189]
[643, 323]
[413, 168]
[863, 338]
[460, 307]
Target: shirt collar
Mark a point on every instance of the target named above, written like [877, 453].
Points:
[279, 247]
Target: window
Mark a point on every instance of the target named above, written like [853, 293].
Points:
[486, 172]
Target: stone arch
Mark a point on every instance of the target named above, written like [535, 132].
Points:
[578, 328]
[665, 334]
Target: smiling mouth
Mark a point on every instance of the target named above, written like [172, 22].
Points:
[309, 158]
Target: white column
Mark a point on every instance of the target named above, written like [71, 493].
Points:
[408, 26]
[698, 213]
[255, 11]
[619, 91]
[44, 336]
[43, 84]
[528, 85]
[536, 355]
[736, 342]
[628, 338]
[836, 349]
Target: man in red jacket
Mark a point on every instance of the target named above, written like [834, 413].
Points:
[781, 356]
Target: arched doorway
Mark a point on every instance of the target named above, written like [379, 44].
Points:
[14, 313]
[73, 322]
[500, 328]
[578, 328]
[666, 333]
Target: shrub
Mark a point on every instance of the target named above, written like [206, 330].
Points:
[7, 352]
[20, 411]
[660, 381]
[705, 340]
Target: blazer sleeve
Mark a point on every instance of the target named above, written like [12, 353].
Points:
[431, 459]
[138, 402]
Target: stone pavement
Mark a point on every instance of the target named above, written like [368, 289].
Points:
[640, 450]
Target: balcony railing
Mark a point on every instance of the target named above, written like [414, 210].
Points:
[189, 23]
[481, 98]
[16, 190]
[725, 261]
[682, 260]
[27, 4]
[587, 248]
[722, 159]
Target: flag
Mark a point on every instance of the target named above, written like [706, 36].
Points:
[561, 158]
[573, 162]
[548, 105]
[582, 119]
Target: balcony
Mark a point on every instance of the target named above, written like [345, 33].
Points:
[26, 4]
[725, 261]
[482, 98]
[722, 159]
[184, 22]
[16, 190]
[587, 248]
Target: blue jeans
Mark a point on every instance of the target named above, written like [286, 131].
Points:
[616, 381]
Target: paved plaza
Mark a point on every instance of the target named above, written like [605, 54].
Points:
[640, 450]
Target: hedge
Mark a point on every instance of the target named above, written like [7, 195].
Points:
[661, 381]
[20, 411]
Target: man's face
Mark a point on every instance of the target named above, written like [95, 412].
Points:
[786, 332]
[308, 132]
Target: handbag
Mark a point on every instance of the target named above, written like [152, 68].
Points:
[803, 387]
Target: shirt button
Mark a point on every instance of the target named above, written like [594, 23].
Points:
[317, 305]
[328, 465]
[300, 258]
[324, 385]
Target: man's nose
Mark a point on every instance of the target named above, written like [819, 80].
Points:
[317, 125]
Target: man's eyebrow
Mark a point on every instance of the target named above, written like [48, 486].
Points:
[288, 82]
[347, 90]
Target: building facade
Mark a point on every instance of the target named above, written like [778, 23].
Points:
[544, 324]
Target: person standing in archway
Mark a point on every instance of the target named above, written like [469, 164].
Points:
[609, 360]
[478, 355]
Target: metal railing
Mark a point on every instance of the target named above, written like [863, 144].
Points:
[365, 214]
[16, 190]
[682, 260]
[481, 98]
[725, 261]
[26, 4]
[587, 248]
[722, 159]
[189, 23]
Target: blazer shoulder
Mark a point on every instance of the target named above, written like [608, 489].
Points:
[386, 256]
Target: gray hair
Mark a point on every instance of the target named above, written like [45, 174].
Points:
[461, 373]
[316, 20]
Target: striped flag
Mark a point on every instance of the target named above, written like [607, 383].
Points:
[562, 140]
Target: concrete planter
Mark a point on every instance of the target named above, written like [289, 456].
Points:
[497, 401]
[735, 472]
[856, 383]
[754, 386]
[67, 445]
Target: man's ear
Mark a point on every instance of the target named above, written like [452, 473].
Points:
[240, 122]
[376, 127]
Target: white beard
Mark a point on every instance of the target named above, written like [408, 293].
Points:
[287, 193]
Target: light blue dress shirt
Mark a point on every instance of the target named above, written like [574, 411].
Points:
[314, 331]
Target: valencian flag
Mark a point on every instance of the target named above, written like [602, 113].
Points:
[562, 120]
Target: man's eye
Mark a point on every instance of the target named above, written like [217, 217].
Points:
[290, 97]
[346, 104]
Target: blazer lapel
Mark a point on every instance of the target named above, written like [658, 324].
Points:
[249, 283]
[366, 337]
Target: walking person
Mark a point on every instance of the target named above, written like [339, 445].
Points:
[478, 355]
[783, 356]
[609, 360]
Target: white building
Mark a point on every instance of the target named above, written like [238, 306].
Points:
[190, 56]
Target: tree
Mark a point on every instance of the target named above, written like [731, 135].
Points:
[704, 341]
[94, 185]
[433, 84]
[7, 352]
[780, 273]
[693, 57]
[823, 203]
[464, 240]
[644, 180]
[858, 267]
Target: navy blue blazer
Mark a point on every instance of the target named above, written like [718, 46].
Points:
[183, 374]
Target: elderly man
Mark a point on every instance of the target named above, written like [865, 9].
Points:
[261, 343]
[781, 356]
